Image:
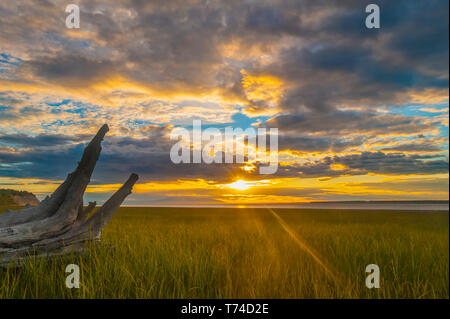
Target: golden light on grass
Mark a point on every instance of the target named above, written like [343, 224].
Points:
[223, 240]
[302, 244]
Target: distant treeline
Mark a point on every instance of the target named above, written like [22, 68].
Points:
[7, 196]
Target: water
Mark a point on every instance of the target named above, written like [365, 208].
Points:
[378, 205]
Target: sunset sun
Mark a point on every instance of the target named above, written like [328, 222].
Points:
[240, 185]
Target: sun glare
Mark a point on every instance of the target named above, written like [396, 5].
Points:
[248, 168]
[240, 185]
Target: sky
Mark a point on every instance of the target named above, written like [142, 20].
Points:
[362, 114]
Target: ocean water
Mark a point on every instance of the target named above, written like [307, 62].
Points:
[381, 205]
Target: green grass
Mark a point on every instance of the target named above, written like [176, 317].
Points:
[246, 253]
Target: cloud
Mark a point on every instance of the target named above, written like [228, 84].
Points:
[149, 157]
[414, 147]
[70, 70]
[24, 140]
[309, 68]
[365, 163]
[180, 47]
[350, 122]
[396, 163]
[293, 142]
[52, 158]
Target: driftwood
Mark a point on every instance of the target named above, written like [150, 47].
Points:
[60, 223]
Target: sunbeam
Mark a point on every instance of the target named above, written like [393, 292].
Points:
[302, 245]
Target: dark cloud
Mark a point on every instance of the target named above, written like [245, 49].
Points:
[414, 147]
[346, 63]
[24, 140]
[368, 162]
[149, 157]
[273, 20]
[349, 122]
[316, 144]
[325, 76]
[333, 60]
[53, 164]
[422, 35]
[70, 70]
[397, 163]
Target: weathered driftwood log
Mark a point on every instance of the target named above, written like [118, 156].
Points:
[60, 223]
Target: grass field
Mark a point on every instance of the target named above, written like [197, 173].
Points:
[251, 253]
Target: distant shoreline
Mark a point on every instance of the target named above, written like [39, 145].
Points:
[438, 205]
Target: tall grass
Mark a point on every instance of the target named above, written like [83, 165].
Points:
[246, 253]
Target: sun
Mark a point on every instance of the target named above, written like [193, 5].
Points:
[240, 185]
[248, 167]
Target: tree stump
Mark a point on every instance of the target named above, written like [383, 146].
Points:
[60, 224]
